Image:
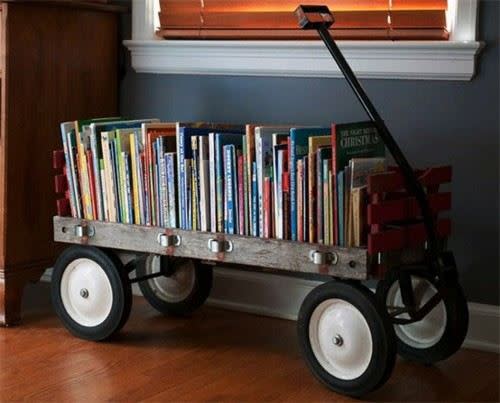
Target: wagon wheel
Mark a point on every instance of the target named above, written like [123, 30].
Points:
[184, 287]
[91, 292]
[347, 341]
[441, 332]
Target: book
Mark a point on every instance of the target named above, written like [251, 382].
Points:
[267, 202]
[340, 207]
[68, 140]
[323, 153]
[280, 163]
[300, 200]
[213, 185]
[352, 140]
[314, 143]
[241, 198]
[204, 186]
[171, 189]
[298, 148]
[358, 213]
[305, 198]
[230, 217]
[107, 139]
[255, 203]
[326, 202]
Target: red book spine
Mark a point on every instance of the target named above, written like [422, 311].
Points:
[286, 205]
[267, 207]
[93, 195]
[300, 201]
[334, 186]
[241, 197]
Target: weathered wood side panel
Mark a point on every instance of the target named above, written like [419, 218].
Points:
[267, 253]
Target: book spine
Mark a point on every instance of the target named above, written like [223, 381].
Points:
[326, 204]
[156, 176]
[286, 205]
[241, 197]
[293, 186]
[267, 207]
[73, 160]
[96, 175]
[260, 183]
[106, 154]
[69, 172]
[311, 176]
[93, 196]
[84, 179]
[229, 191]
[102, 173]
[340, 204]
[194, 198]
[331, 197]
[213, 186]
[246, 191]
[319, 200]
[114, 173]
[255, 218]
[181, 162]
[128, 188]
[188, 183]
[300, 206]
[250, 158]
[120, 169]
[135, 179]
[305, 203]
[164, 193]
[334, 183]
[220, 195]
[171, 189]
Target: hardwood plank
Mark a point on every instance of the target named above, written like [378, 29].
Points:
[215, 355]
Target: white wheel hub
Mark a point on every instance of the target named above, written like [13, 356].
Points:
[340, 339]
[86, 292]
[428, 331]
[177, 286]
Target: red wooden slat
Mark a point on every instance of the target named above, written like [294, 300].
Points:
[404, 209]
[60, 183]
[394, 181]
[58, 161]
[405, 237]
[63, 208]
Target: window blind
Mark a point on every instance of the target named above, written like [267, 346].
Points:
[274, 19]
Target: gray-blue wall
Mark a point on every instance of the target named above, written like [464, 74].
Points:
[435, 122]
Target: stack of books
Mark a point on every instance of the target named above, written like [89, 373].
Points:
[304, 184]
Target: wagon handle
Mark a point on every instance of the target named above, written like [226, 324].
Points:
[320, 18]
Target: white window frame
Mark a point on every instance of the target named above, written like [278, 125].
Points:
[428, 60]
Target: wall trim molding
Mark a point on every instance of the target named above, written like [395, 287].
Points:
[452, 60]
[422, 60]
[280, 296]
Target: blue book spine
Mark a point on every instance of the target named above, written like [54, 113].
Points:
[228, 151]
[340, 207]
[170, 161]
[293, 186]
[219, 183]
[187, 189]
[128, 187]
[255, 218]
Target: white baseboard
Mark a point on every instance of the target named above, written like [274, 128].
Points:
[281, 296]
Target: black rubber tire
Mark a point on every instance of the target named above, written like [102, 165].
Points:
[121, 291]
[457, 320]
[383, 338]
[198, 295]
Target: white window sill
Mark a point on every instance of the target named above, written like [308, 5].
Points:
[453, 60]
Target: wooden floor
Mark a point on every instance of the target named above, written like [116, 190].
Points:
[216, 355]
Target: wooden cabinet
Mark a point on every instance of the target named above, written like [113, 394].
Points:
[58, 62]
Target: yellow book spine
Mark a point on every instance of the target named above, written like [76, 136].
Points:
[135, 180]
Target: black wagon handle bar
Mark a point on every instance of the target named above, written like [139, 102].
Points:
[320, 19]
